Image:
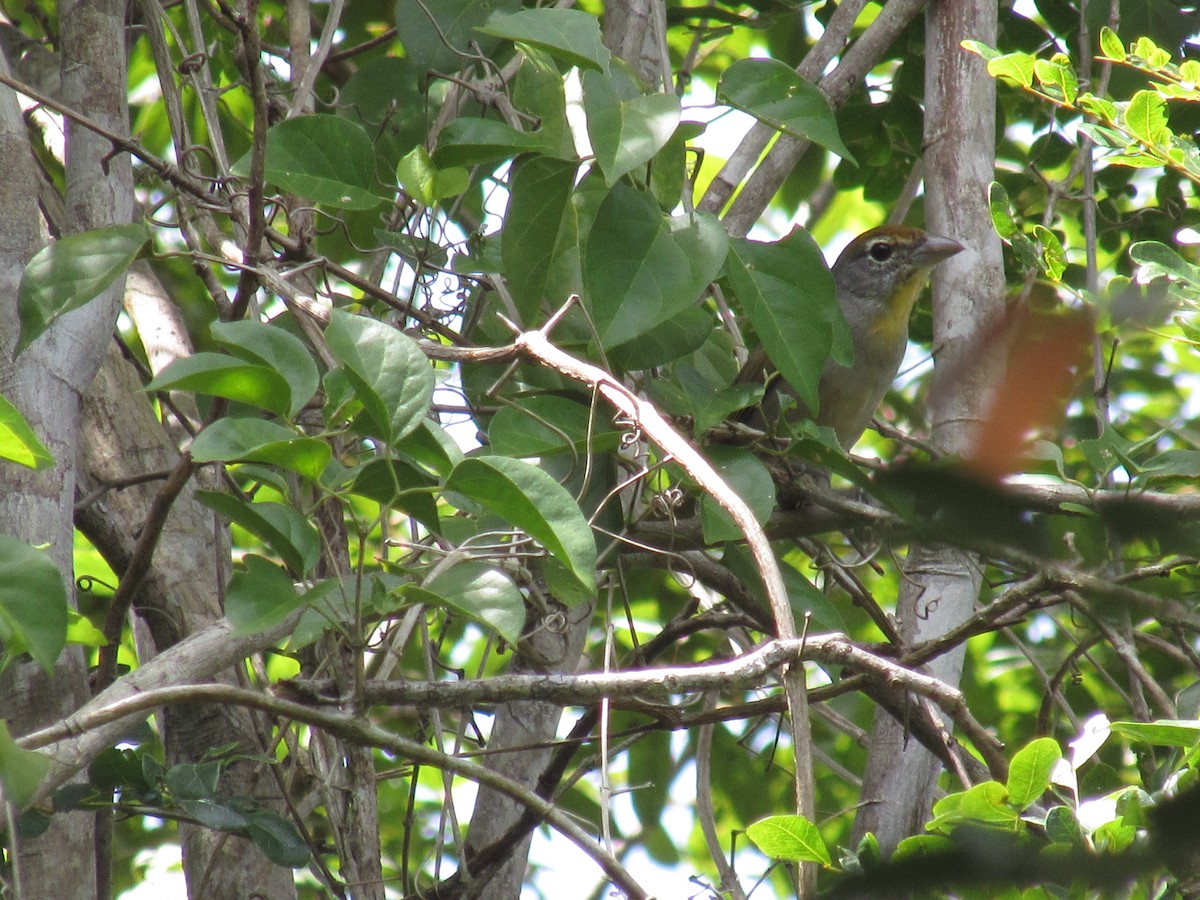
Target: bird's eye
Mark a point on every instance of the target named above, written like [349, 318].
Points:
[881, 251]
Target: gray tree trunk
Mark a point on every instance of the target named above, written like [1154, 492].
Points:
[47, 383]
[941, 584]
[121, 438]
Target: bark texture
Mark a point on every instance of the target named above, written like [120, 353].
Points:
[941, 584]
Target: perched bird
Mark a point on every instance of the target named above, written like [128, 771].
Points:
[879, 277]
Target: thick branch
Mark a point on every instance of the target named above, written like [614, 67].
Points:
[102, 718]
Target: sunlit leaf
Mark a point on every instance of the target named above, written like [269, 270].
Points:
[18, 442]
[789, 837]
[21, 771]
[1029, 771]
[1111, 46]
[483, 593]
[571, 35]
[1146, 118]
[1015, 67]
[1161, 732]
[422, 180]
[773, 93]
[534, 502]
[238, 439]
[624, 133]
[33, 604]
[226, 376]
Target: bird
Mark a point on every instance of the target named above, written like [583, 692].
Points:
[878, 277]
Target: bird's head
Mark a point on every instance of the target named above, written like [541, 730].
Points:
[881, 273]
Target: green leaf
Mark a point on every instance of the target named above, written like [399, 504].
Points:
[21, 771]
[804, 597]
[567, 34]
[1029, 771]
[538, 91]
[397, 485]
[652, 767]
[787, 291]
[530, 499]
[277, 349]
[80, 630]
[1015, 67]
[979, 48]
[1001, 211]
[280, 527]
[430, 445]
[234, 439]
[789, 837]
[626, 134]
[1113, 837]
[1100, 107]
[214, 814]
[642, 268]
[226, 376]
[668, 341]
[692, 394]
[328, 159]
[469, 142]
[18, 441]
[1146, 118]
[1111, 46]
[70, 272]
[1146, 49]
[539, 200]
[1054, 258]
[750, 480]
[1161, 732]
[425, 182]
[983, 804]
[481, 592]
[193, 781]
[33, 604]
[278, 839]
[774, 94]
[115, 768]
[391, 376]
[1062, 827]
[438, 35]
[260, 596]
[922, 845]
[1163, 259]
[1059, 76]
[546, 423]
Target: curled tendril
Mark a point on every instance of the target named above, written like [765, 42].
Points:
[664, 503]
[555, 622]
[88, 583]
[192, 63]
[631, 430]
